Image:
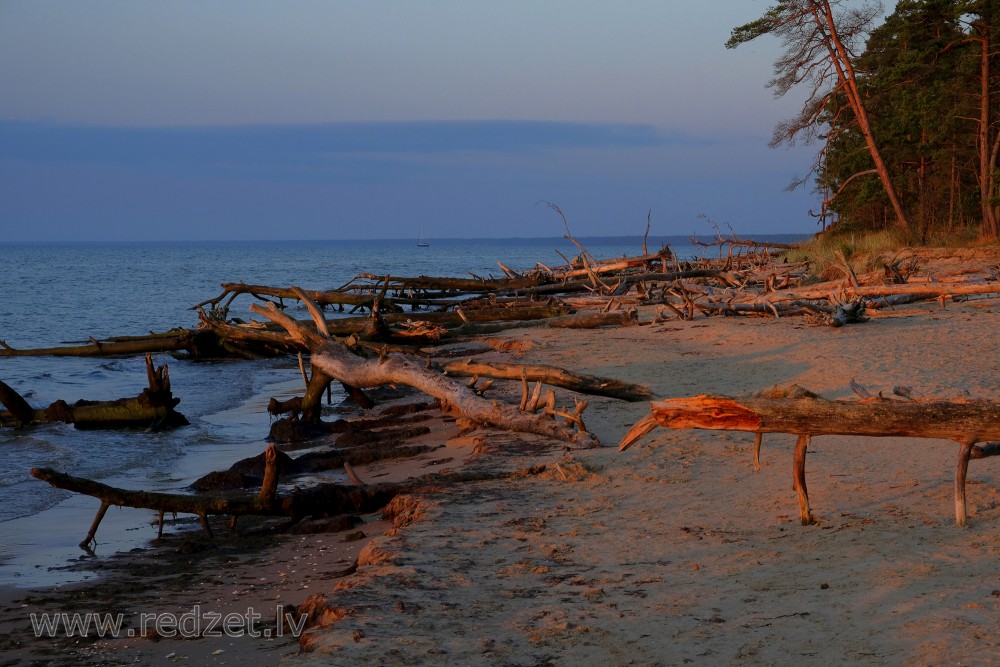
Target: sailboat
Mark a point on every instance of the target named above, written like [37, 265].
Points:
[421, 243]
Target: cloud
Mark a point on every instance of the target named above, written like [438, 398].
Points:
[292, 146]
[371, 180]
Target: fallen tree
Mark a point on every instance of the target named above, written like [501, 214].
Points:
[927, 289]
[334, 360]
[319, 500]
[551, 375]
[806, 415]
[178, 339]
[153, 408]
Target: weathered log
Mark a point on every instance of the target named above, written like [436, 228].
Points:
[19, 408]
[336, 360]
[935, 289]
[182, 339]
[582, 321]
[389, 291]
[471, 285]
[325, 298]
[161, 502]
[725, 277]
[551, 375]
[152, 408]
[806, 414]
[269, 340]
[321, 500]
[734, 242]
[612, 265]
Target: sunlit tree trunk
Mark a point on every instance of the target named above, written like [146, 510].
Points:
[817, 56]
[839, 56]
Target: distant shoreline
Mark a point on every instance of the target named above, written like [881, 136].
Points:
[516, 240]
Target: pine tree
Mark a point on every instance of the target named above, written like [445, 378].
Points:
[819, 53]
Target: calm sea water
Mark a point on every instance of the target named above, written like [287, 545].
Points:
[57, 294]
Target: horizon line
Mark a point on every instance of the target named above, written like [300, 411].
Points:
[690, 237]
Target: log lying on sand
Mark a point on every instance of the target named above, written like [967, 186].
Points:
[936, 289]
[805, 414]
[334, 360]
[621, 318]
[838, 315]
[320, 500]
[153, 408]
[551, 375]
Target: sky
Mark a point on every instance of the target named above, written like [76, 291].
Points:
[365, 119]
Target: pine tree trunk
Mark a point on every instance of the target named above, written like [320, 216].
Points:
[845, 72]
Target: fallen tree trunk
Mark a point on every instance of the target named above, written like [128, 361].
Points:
[324, 298]
[203, 506]
[337, 361]
[551, 375]
[622, 318]
[936, 289]
[852, 312]
[256, 340]
[271, 340]
[388, 303]
[323, 499]
[22, 413]
[153, 408]
[183, 339]
[807, 415]
[725, 277]
[445, 284]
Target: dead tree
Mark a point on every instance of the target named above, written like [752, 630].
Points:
[176, 340]
[153, 408]
[336, 360]
[551, 375]
[319, 500]
[806, 415]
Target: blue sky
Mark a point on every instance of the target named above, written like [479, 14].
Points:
[308, 119]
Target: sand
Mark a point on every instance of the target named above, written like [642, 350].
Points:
[674, 552]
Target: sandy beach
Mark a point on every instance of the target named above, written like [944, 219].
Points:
[673, 552]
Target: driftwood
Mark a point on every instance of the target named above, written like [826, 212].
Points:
[320, 500]
[551, 375]
[294, 429]
[619, 282]
[448, 284]
[614, 265]
[178, 339]
[537, 297]
[807, 415]
[933, 289]
[324, 298]
[389, 292]
[838, 315]
[335, 360]
[153, 408]
[582, 321]
[21, 413]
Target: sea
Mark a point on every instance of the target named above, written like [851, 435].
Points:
[67, 293]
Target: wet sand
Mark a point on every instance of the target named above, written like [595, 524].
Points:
[161, 588]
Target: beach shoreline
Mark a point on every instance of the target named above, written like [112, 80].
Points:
[673, 552]
[156, 591]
